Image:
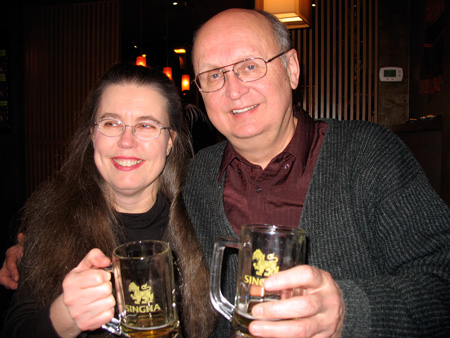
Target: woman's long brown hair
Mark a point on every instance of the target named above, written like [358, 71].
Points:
[72, 213]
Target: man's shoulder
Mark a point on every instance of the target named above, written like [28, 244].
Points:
[353, 124]
[349, 129]
[212, 155]
[206, 161]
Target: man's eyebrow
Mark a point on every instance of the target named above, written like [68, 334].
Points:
[209, 68]
[230, 64]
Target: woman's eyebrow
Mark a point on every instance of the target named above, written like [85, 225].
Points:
[138, 119]
[147, 118]
[109, 115]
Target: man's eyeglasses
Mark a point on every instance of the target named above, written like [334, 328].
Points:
[247, 70]
[145, 130]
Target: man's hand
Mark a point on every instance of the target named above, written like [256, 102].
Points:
[318, 313]
[9, 274]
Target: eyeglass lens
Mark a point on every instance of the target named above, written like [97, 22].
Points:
[145, 130]
[247, 71]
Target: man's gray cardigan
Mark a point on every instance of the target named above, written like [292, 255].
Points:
[372, 220]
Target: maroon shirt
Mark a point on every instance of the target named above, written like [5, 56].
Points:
[276, 194]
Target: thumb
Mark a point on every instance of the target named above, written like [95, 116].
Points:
[94, 259]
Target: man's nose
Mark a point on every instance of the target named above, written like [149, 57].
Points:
[235, 87]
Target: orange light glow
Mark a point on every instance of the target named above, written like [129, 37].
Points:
[185, 82]
[141, 60]
[168, 72]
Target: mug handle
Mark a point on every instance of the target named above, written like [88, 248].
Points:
[114, 325]
[219, 302]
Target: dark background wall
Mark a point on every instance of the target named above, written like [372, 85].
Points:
[423, 50]
[12, 178]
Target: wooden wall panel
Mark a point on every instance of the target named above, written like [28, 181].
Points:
[339, 60]
[67, 48]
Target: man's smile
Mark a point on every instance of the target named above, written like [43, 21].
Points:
[243, 110]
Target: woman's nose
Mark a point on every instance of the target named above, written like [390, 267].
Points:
[128, 139]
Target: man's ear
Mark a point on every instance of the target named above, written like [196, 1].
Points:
[293, 68]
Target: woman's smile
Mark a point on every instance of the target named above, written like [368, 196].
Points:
[127, 163]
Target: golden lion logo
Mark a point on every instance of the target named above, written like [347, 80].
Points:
[141, 295]
[262, 266]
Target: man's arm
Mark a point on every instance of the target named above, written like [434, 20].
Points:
[392, 266]
[9, 274]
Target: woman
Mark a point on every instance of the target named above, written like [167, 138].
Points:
[119, 183]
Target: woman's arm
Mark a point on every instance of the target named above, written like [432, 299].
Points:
[86, 303]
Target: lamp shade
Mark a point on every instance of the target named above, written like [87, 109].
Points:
[293, 13]
[168, 72]
[185, 82]
[141, 60]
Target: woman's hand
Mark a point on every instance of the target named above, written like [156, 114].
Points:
[87, 301]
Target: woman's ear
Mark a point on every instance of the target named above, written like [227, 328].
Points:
[91, 130]
[171, 142]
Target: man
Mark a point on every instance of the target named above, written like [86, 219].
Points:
[378, 235]
[378, 254]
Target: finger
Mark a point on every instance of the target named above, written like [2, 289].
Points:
[6, 280]
[86, 279]
[86, 303]
[87, 298]
[20, 238]
[303, 306]
[13, 256]
[95, 322]
[94, 259]
[300, 276]
[94, 315]
[8, 283]
[292, 328]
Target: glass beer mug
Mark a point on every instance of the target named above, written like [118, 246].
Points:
[264, 250]
[145, 291]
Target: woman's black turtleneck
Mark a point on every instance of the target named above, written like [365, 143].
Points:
[148, 225]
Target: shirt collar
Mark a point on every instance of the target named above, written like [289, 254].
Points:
[299, 146]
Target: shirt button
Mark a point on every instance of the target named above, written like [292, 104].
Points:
[287, 166]
[258, 189]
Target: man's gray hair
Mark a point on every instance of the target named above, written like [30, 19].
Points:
[282, 35]
[280, 31]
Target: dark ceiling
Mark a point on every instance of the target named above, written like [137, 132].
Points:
[157, 26]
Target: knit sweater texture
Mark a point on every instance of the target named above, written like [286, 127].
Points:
[372, 220]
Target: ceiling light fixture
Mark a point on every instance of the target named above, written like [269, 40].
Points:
[141, 60]
[293, 13]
